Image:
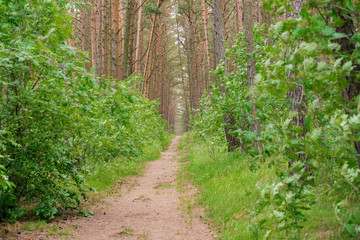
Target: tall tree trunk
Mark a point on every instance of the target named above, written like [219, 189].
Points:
[75, 27]
[125, 57]
[138, 37]
[196, 67]
[348, 47]
[251, 67]
[93, 35]
[224, 3]
[98, 36]
[206, 40]
[131, 43]
[69, 40]
[83, 30]
[228, 118]
[202, 64]
[296, 96]
[240, 15]
[114, 39]
[147, 69]
[260, 11]
[120, 33]
[105, 40]
[190, 55]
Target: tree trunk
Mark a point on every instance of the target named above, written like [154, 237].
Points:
[251, 65]
[114, 39]
[190, 56]
[228, 118]
[296, 96]
[93, 35]
[98, 36]
[69, 41]
[206, 40]
[105, 41]
[219, 47]
[347, 46]
[82, 19]
[75, 28]
[138, 37]
[224, 3]
[120, 36]
[125, 57]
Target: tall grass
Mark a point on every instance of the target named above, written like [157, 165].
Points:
[230, 191]
[103, 176]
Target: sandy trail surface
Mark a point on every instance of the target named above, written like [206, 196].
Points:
[152, 209]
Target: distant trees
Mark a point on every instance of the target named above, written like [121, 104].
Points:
[125, 37]
[205, 28]
[138, 36]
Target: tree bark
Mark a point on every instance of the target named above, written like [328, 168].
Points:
[296, 96]
[219, 47]
[93, 35]
[147, 69]
[114, 39]
[120, 36]
[138, 37]
[82, 19]
[75, 28]
[105, 39]
[190, 55]
[348, 47]
[98, 36]
[206, 40]
[228, 118]
[125, 57]
[251, 65]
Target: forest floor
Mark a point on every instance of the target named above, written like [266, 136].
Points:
[156, 205]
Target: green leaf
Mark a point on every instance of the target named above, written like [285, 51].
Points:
[338, 35]
[328, 31]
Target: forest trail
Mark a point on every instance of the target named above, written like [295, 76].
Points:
[149, 210]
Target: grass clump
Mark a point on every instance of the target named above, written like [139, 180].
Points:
[38, 226]
[231, 193]
[229, 188]
[103, 176]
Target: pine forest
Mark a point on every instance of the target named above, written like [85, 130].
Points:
[244, 115]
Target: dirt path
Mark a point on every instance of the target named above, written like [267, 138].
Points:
[150, 210]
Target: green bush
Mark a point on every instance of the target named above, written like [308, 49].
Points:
[56, 119]
[296, 52]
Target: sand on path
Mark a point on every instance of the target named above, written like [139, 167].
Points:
[152, 209]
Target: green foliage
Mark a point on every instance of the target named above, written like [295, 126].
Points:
[152, 9]
[57, 120]
[102, 175]
[302, 52]
[229, 188]
[288, 200]
[241, 203]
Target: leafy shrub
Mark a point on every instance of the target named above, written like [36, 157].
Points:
[56, 119]
[297, 52]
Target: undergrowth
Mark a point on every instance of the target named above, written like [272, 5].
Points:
[103, 176]
[59, 122]
[231, 192]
